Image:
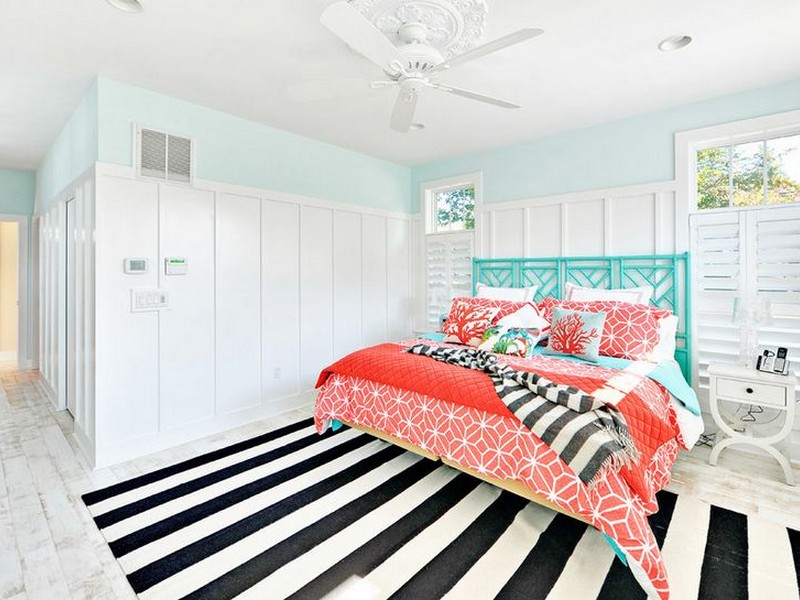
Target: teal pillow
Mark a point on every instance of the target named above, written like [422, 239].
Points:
[576, 333]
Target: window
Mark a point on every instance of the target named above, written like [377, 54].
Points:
[452, 209]
[743, 179]
[753, 173]
[450, 216]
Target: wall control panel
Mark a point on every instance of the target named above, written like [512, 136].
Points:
[143, 300]
[176, 265]
[136, 266]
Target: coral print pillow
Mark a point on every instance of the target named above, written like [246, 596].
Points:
[631, 331]
[511, 340]
[467, 321]
[575, 333]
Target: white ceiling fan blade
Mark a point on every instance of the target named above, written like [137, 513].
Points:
[403, 112]
[498, 44]
[474, 95]
[344, 20]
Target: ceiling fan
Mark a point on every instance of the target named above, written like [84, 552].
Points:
[413, 65]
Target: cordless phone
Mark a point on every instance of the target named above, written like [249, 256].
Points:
[780, 361]
[773, 361]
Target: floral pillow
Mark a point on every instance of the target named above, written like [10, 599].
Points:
[467, 321]
[575, 333]
[511, 340]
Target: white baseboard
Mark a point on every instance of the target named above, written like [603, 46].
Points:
[119, 452]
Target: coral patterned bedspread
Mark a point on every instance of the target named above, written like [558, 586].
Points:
[454, 413]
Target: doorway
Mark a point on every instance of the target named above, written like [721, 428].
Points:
[9, 291]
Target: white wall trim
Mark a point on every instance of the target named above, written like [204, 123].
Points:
[114, 170]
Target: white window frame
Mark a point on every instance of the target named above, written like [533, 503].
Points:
[427, 189]
[687, 143]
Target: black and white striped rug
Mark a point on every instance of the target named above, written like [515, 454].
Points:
[294, 514]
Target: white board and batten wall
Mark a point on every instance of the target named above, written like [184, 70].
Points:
[629, 220]
[277, 287]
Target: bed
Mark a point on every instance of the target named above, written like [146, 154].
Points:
[452, 414]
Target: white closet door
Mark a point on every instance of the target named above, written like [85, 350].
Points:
[238, 297]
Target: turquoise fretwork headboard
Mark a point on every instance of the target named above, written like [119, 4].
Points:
[667, 274]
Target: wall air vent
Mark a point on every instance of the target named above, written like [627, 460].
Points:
[164, 156]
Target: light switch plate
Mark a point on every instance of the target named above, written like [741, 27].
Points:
[144, 299]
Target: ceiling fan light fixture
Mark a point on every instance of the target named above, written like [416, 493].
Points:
[130, 6]
[674, 42]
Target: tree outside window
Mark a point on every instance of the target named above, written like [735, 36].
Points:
[749, 174]
[455, 209]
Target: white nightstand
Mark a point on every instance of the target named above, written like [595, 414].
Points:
[736, 383]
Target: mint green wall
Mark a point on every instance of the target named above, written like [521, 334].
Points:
[17, 192]
[73, 151]
[234, 150]
[630, 151]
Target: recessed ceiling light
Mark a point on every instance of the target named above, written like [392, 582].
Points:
[131, 6]
[416, 126]
[675, 42]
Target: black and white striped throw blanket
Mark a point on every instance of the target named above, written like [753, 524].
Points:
[588, 434]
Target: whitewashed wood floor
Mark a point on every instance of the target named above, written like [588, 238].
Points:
[50, 548]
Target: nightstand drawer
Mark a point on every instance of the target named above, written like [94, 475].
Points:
[751, 391]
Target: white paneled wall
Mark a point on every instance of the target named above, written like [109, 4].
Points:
[186, 224]
[238, 323]
[629, 220]
[280, 292]
[277, 287]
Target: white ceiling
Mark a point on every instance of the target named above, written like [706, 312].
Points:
[596, 62]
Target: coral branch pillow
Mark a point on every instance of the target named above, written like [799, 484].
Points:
[576, 333]
[631, 331]
[505, 307]
[467, 321]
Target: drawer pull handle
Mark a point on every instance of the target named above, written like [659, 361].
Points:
[749, 390]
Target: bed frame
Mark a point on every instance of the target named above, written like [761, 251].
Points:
[667, 274]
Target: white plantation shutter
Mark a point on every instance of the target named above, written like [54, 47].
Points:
[741, 254]
[716, 240]
[448, 272]
[776, 276]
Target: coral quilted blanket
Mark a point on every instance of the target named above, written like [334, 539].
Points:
[644, 403]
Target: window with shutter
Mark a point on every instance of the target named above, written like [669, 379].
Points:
[449, 272]
[741, 256]
[450, 213]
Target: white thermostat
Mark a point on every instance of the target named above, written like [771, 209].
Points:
[176, 265]
[136, 266]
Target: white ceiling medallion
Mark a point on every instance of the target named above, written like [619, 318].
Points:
[450, 26]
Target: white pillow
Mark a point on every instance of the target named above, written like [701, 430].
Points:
[526, 317]
[635, 295]
[524, 294]
[665, 349]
